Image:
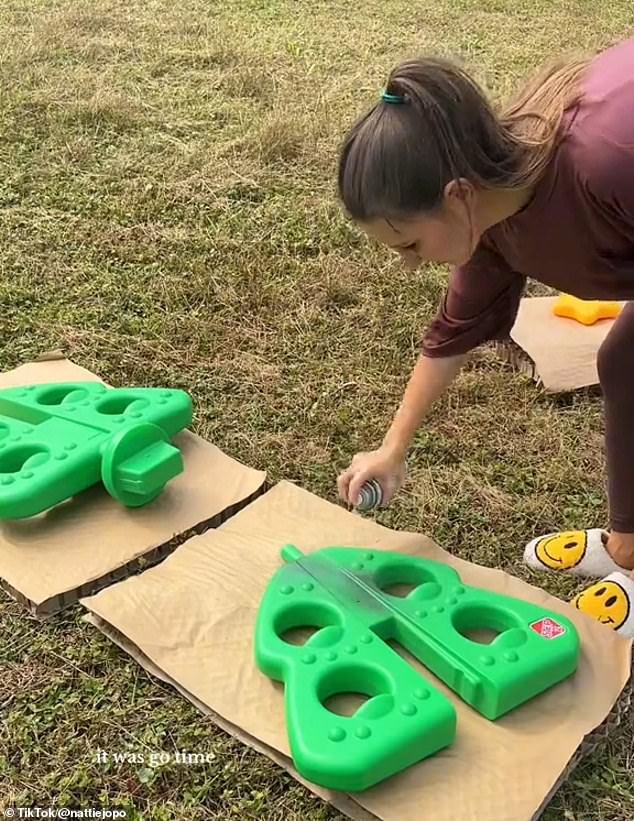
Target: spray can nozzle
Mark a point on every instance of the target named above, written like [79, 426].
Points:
[370, 496]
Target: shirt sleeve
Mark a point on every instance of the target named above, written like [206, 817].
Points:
[480, 305]
[609, 183]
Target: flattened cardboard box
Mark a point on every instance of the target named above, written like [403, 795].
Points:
[192, 618]
[49, 561]
[558, 353]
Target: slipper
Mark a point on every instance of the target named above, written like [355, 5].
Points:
[576, 552]
[611, 602]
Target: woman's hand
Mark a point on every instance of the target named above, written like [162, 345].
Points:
[429, 379]
[387, 466]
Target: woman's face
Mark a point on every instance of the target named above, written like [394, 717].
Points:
[447, 234]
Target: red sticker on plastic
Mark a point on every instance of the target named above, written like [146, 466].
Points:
[548, 628]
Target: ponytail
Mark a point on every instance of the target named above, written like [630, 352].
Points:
[434, 124]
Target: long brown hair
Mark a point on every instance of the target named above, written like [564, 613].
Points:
[435, 124]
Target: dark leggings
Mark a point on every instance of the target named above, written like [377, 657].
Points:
[615, 363]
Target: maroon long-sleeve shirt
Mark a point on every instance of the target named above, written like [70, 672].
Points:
[576, 235]
[577, 232]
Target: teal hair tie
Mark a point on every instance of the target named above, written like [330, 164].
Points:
[392, 99]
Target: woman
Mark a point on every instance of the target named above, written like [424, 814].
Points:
[544, 190]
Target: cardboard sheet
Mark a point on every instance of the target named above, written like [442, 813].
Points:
[561, 353]
[50, 560]
[191, 620]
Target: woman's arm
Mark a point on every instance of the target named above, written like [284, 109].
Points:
[429, 380]
[481, 304]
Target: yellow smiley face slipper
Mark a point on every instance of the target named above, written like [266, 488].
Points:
[577, 552]
[611, 602]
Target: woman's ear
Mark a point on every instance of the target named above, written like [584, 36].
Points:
[461, 190]
[461, 202]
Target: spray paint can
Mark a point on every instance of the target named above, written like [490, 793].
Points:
[370, 496]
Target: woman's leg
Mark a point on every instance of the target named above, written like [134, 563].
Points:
[616, 373]
[611, 600]
[593, 552]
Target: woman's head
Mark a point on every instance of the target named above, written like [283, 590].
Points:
[418, 169]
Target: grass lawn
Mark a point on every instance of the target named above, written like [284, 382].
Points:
[167, 215]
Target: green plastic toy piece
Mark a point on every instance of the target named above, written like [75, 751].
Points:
[57, 440]
[341, 591]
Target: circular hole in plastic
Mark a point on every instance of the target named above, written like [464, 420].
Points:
[482, 623]
[347, 688]
[300, 622]
[400, 579]
[62, 394]
[399, 589]
[346, 704]
[23, 457]
[481, 635]
[117, 403]
[299, 635]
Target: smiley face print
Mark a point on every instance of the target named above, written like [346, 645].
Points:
[562, 551]
[606, 601]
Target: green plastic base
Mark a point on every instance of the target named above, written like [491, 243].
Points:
[137, 463]
[57, 440]
[341, 591]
